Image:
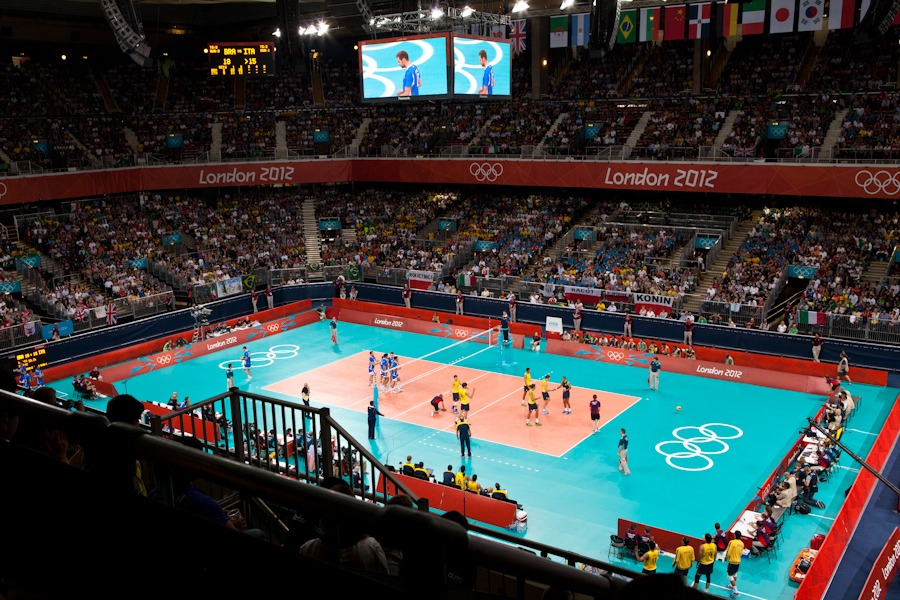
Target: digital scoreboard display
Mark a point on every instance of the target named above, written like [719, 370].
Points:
[407, 68]
[33, 358]
[242, 59]
[482, 67]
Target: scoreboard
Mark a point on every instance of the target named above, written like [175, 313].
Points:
[33, 358]
[242, 59]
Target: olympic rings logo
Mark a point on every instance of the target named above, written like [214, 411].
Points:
[805, 271]
[274, 353]
[486, 171]
[2, 189]
[692, 445]
[461, 333]
[164, 359]
[273, 327]
[879, 182]
[615, 355]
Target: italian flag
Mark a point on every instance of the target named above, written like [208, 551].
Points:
[811, 317]
[465, 281]
[650, 22]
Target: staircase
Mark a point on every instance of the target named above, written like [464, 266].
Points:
[215, 148]
[719, 67]
[481, 129]
[82, 147]
[875, 273]
[281, 147]
[808, 65]
[5, 157]
[240, 93]
[629, 78]
[162, 90]
[349, 235]
[551, 131]
[109, 103]
[714, 271]
[318, 91]
[833, 133]
[726, 129]
[361, 132]
[131, 137]
[311, 237]
[639, 129]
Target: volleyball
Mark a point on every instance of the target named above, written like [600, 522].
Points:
[677, 408]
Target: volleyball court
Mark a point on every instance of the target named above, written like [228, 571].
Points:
[496, 413]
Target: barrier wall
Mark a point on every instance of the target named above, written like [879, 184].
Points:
[445, 498]
[152, 358]
[696, 368]
[851, 181]
[822, 570]
[884, 569]
[189, 424]
[668, 541]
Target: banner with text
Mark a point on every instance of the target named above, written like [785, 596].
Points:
[655, 303]
[587, 295]
[884, 569]
[420, 280]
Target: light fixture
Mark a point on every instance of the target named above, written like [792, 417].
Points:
[323, 27]
[436, 13]
[301, 30]
[84, 57]
[566, 4]
[520, 6]
[206, 51]
[63, 57]
[467, 12]
[545, 62]
[277, 33]
[356, 46]
[709, 53]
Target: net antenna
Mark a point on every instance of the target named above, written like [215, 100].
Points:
[124, 19]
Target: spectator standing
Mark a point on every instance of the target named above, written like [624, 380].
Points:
[459, 303]
[254, 298]
[816, 347]
[576, 317]
[512, 307]
[627, 332]
[407, 295]
[623, 453]
[270, 298]
[689, 331]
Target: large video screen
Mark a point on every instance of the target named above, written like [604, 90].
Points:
[481, 66]
[404, 68]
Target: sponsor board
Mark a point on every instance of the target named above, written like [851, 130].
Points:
[884, 569]
[444, 330]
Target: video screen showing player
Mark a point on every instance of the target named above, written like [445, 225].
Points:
[404, 68]
[481, 67]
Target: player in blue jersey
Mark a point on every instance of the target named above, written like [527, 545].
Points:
[412, 81]
[371, 369]
[385, 376]
[229, 377]
[25, 380]
[247, 363]
[487, 82]
[38, 377]
[395, 375]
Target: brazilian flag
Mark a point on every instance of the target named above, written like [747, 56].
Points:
[314, 267]
[627, 31]
[354, 272]
[248, 282]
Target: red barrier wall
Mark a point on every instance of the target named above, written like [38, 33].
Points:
[884, 569]
[479, 323]
[188, 424]
[445, 498]
[154, 346]
[668, 541]
[822, 570]
[413, 325]
[697, 368]
[104, 387]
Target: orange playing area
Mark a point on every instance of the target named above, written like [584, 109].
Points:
[496, 412]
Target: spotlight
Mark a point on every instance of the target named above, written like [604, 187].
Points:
[520, 6]
[323, 27]
[467, 12]
[436, 13]
[709, 53]
[63, 57]
[277, 33]
[566, 4]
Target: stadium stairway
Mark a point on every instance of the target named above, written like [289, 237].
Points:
[215, 147]
[281, 147]
[109, 103]
[131, 137]
[82, 147]
[727, 127]
[240, 93]
[162, 90]
[361, 132]
[311, 239]
[5, 157]
[348, 236]
[540, 147]
[876, 272]
[638, 130]
[833, 133]
[808, 64]
[318, 91]
[719, 67]
[715, 270]
[481, 130]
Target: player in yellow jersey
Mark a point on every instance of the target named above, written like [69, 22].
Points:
[464, 395]
[684, 558]
[455, 390]
[707, 559]
[733, 554]
[648, 558]
[545, 393]
[532, 407]
[527, 384]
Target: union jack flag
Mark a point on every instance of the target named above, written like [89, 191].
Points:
[111, 314]
[745, 152]
[80, 314]
[517, 35]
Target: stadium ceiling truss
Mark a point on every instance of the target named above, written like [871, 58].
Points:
[421, 21]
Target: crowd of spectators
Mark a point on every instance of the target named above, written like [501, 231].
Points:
[516, 125]
[248, 134]
[589, 77]
[398, 129]
[763, 64]
[846, 66]
[668, 70]
[681, 123]
[871, 128]
[152, 132]
[132, 88]
[289, 89]
[193, 90]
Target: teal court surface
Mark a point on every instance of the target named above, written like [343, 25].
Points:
[575, 495]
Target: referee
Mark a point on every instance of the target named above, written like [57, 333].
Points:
[464, 435]
[504, 326]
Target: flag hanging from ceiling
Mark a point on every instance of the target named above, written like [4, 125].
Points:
[781, 16]
[498, 31]
[727, 18]
[559, 31]
[699, 20]
[863, 9]
[811, 15]
[650, 18]
[517, 35]
[840, 15]
[676, 18]
[581, 29]
[626, 31]
[753, 18]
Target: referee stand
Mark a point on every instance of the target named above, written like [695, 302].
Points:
[504, 347]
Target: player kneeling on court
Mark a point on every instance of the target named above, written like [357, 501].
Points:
[437, 403]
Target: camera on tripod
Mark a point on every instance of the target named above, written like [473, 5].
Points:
[201, 313]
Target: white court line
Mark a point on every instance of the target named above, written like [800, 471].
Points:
[865, 432]
[722, 587]
[822, 517]
[604, 425]
[486, 407]
[429, 401]
[847, 468]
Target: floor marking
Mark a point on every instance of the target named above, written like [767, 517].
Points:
[722, 587]
[821, 517]
[865, 432]
[847, 468]
[603, 425]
